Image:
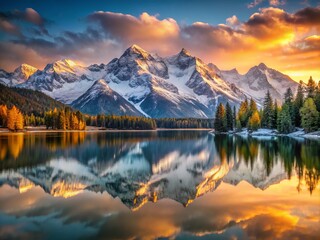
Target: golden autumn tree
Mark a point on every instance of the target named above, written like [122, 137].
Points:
[254, 121]
[19, 121]
[12, 114]
[15, 120]
[3, 115]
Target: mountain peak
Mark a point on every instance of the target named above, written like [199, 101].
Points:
[262, 66]
[135, 49]
[234, 70]
[185, 52]
[26, 67]
[24, 71]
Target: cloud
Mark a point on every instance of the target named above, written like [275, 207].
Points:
[271, 35]
[254, 3]
[9, 28]
[274, 3]
[233, 21]
[29, 15]
[277, 2]
[147, 30]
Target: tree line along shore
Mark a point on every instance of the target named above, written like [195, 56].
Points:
[67, 119]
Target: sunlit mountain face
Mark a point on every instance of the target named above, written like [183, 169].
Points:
[229, 184]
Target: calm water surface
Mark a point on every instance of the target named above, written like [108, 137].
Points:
[158, 185]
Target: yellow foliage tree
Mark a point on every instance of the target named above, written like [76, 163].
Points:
[3, 115]
[254, 121]
[15, 120]
[12, 114]
[19, 121]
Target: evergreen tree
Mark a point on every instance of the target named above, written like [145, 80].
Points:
[234, 116]
[268, 113]
[254, 121]
[229, 117]
[288, 100]
[317, 97]
[284, 120]
[311, 88]
[219, 124]
[309, 116]
[243, 114]
[297, 105]
[275, 114]
[48, 119]
[288, 96]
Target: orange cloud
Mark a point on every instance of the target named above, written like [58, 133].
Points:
[285, 41]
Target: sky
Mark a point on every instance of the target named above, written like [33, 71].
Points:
[283, 34]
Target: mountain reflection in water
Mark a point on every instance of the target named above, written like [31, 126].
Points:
[142, 167]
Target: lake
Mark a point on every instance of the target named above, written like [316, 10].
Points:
[158, 185]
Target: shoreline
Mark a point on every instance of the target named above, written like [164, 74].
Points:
[96, 130]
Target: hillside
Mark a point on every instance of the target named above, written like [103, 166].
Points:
[28, 101]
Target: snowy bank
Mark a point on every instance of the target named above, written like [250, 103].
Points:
[267, 134]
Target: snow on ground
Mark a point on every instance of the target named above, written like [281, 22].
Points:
[266, 134]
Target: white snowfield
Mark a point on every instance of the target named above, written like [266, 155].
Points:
[177, 86]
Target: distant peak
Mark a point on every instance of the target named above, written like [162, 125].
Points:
[262, 66]
[185, 52]
[214, 67]
[234, 70]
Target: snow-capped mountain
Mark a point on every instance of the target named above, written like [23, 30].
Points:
[20, 75]
[260, 79]
[141, 83]
[100, 98]
[179, 86]
[64, 80]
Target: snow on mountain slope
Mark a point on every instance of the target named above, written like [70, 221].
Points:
[177, 86]
[142, 79]
[5, 77]
[100, 98]
[20, 75]
[145, 84]
[64, 80]
[260, 79]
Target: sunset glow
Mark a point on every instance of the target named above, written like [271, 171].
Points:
[284, 36]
